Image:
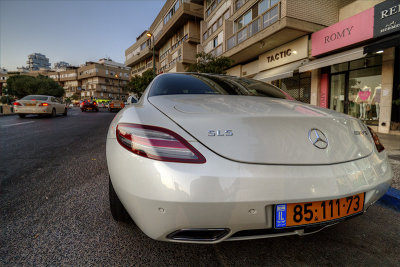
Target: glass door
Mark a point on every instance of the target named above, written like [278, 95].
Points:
[338, 97]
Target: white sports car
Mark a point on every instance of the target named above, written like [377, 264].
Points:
[206, 158]
[39, 105]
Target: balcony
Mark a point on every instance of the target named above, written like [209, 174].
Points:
[185, 12]
[140, 56]
[269, 30]
[184, 54]
[142, 69]
[261, 22]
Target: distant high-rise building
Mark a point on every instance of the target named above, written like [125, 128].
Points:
[61, 65]
[38, 61]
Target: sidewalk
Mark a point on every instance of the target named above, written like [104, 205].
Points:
[392, 146]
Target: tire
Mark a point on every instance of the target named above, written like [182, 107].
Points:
[65, 112]
[53, 113]
[21, 115]
[97, 110]
[82, 110]
[118, 211]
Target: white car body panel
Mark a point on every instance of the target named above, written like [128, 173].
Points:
[163, 197]
[262, 126]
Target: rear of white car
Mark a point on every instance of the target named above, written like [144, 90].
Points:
[207, 168]
[39, 105]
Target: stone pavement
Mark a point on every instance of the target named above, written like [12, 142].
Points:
[392, 146]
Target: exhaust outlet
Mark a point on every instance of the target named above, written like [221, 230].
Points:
[199, 234]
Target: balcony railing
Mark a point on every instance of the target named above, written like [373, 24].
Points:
[216, 52]
[259, 23]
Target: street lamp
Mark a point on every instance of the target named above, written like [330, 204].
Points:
[149, 34]
[119, 88]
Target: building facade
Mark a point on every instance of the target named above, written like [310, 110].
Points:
[38, 61]
[103, 80]
[174, 37]
[93, 80]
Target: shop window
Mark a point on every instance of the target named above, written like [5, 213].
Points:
[298, 86]
[356, 88]
[339, 67]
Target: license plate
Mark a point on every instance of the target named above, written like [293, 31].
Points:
[30, 104]
[297, 214]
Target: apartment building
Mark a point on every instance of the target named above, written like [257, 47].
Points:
[68, 79]
[38, 61]
[175, 34]
[103, 80]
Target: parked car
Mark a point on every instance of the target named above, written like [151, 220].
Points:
[116, 105]
[89, 105]
[220, 158]
[39, 105]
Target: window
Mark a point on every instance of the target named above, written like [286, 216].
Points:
[239, 4]
[171, 12]
[263, 6]
[244, 20]
[215, 42]
[176, 84]
[227, 14]
[143, 46]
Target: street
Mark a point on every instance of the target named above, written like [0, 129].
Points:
[55, 211]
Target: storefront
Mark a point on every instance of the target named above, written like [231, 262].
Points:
[356, 63]
[280, 67]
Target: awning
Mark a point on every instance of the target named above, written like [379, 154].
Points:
[281, 72]
[387, 42]
[349, 55]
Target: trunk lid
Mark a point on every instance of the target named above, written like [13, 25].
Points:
[267, 130]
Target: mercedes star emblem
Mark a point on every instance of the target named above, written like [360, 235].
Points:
[318, 138]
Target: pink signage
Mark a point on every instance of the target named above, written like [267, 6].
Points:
[324, 86]
[352, 30]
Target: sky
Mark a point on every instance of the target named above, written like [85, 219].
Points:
[74, 31]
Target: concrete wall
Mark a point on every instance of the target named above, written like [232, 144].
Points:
[324, 12]
[356, 7]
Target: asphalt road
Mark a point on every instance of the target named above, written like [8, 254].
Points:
[54, 211]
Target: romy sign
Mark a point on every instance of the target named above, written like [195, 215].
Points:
[290, 52]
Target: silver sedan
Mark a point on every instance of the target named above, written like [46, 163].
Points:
[39, 105]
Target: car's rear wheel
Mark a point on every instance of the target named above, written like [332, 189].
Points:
[118, 210]
[65, 112]
[82, 110]
[53, 112]
[21, 115]
[97, 110]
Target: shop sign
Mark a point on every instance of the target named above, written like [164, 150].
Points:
[387, 18]
[346, 32]
[284, 54]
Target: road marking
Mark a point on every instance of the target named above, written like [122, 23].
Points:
[17, 123]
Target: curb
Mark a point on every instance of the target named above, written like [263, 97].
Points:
[391, 199]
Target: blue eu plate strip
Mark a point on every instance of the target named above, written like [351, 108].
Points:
[280, 216]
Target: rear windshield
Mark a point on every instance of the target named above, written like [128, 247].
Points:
[35, 97]
[178, 84]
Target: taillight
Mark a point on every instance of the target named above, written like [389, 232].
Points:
[157, 143]
[378, 143]
[43, 104]
[17, 104]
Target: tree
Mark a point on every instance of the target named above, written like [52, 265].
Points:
[208, 63]
[139, 83]
[23, 85]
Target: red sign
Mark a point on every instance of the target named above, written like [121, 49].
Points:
[352, 30]
[324, 85]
